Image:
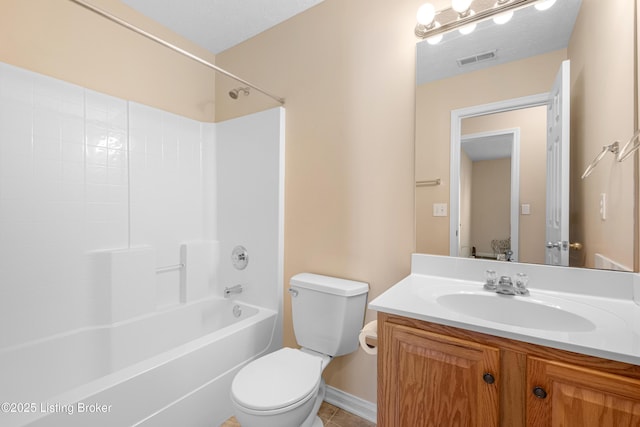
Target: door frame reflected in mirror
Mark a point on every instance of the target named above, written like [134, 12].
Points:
[513, 135]
[457, 116]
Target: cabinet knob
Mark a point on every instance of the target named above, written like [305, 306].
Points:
[488, 378]
[539, 392]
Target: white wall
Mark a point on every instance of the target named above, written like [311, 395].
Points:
[167, 189]
[63, 193]
[96, 193]
[250, 177]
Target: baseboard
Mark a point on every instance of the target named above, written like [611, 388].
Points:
[350, 403]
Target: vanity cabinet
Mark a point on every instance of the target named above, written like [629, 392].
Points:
[434, 380]
[566, 395]
[435, 375]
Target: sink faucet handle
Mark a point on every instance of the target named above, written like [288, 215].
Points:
[522, 281]
[491, 279]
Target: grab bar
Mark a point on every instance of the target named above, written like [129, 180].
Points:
[169, 268]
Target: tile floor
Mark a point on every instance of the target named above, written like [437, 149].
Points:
[331, 416]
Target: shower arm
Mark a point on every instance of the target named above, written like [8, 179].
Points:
[171, 46]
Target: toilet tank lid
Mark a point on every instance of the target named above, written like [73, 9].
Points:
[330, 285]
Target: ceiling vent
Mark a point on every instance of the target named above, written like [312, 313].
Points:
[474, 59]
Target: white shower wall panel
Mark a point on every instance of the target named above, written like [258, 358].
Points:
[250, 202]
[63, 194]
[85, 177]
[167, 188]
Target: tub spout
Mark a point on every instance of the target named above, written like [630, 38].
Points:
[228, 291]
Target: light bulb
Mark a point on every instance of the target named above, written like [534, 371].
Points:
[503, 18]
[435, 39]
[460, 6]
[467, 29]
[426, 14]
[544, 4]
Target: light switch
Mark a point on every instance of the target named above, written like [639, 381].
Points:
[525, 209]
[439, 209]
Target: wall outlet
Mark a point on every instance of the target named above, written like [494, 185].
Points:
[603, 206]
[525, 209]
[439, 209]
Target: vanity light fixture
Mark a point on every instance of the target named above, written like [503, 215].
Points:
[465, 14]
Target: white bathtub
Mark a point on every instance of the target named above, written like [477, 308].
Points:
[171, 368]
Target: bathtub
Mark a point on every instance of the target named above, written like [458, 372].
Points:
[170, 368]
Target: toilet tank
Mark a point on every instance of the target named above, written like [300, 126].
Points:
[328, 312]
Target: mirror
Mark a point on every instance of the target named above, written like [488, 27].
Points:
[461, 79]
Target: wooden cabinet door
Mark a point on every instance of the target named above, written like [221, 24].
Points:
[431, 380]
[569, 396]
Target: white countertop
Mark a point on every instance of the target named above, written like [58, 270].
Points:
[616, 321]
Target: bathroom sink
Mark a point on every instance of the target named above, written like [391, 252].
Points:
[516, 311]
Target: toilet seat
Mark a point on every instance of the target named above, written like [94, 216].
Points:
[278, 381]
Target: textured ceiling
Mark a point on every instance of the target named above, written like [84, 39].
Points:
[530, 32]
[218, 25]
[497, 146]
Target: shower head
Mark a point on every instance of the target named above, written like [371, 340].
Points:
[233, 93]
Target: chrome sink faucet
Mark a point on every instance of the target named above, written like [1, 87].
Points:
[228, 291]
[505, 285]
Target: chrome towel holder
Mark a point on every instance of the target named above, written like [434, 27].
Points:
[621, 154]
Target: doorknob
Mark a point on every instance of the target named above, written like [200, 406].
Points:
[564, 245]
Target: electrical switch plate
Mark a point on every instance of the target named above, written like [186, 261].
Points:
[439, 209]
[526, 209]
[603, 206]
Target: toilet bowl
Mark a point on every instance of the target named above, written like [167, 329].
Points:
[279, 390]
[285, 388]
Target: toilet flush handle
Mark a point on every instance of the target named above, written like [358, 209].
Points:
[293, 292]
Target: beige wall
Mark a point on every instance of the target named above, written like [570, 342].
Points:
[532, 123]
[490, 203]
[347, 71]
[63, 40]
[434, 102]
[602, 95]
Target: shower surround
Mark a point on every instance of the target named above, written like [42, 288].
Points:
[113, 213]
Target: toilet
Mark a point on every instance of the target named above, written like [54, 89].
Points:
[285, 388]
